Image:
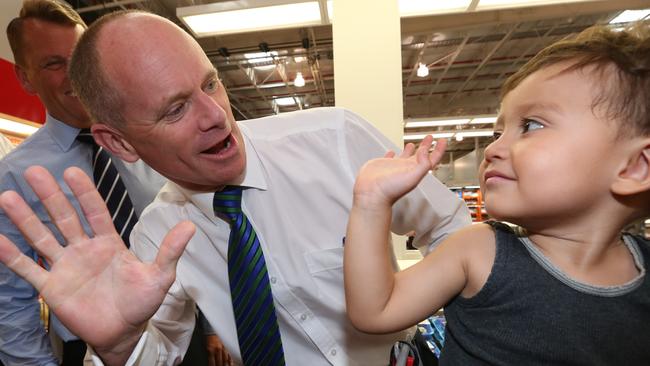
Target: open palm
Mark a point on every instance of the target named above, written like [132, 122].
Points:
[95, 286]
[383, 181]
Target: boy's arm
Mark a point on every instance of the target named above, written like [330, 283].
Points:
[379, 301]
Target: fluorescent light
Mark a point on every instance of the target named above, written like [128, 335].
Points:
[224, 18]
[442, 135]
[330, 10]
[630, 16]
[16, 128]
[436, 123]
[260, 57]
[479, 120]
[409, 8]
[285, 101]
[476, 133]
[423, 70]
[492, 4]
[299, 81]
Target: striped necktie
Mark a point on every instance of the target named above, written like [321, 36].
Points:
[111, 188]
[252, 301]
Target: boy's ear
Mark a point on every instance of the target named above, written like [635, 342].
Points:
[112, 140]
[634, 178]
[24, 80]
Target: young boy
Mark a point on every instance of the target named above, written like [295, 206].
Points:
[570, 164]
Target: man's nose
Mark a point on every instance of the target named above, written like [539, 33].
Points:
[212, 114]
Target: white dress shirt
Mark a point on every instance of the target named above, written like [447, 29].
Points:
[300, 172]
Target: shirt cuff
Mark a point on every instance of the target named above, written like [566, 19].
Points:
[146, 352]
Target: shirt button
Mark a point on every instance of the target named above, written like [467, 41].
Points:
[303, 317]
[333, 352]
[273, 280]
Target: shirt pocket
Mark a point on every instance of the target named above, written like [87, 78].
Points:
[326, 269]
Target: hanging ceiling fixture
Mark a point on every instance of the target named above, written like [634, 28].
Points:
[299, 81]
[423, 70]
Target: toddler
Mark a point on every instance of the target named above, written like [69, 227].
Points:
[570, 165]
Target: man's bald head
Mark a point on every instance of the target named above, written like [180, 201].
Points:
[116, 40]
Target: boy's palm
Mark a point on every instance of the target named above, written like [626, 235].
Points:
[387, 179]
[95, 286]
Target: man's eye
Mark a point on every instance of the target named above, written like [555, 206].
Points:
[528, 125]
[212, 86]
[54, 65]
[176, 111]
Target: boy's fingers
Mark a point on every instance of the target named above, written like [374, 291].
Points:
[56, 203]
[91, 202]
[22, 265]
[438, 152]
[30, 225]
[408, 150]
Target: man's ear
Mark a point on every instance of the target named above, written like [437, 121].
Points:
[24, 80]
[112, 140]
[634, 178]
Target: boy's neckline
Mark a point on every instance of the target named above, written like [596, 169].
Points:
[605, 291]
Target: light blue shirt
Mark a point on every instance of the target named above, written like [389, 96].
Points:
[54, 146]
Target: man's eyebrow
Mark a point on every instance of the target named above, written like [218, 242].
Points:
[210, 75]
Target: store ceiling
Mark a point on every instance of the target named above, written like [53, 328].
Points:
[469, 56]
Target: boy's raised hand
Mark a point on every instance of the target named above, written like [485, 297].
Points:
[383, 181]
[95, 285]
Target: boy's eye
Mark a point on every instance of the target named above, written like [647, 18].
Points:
[528, 125]
[496, 135]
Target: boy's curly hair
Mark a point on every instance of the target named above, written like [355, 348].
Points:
[626, 51]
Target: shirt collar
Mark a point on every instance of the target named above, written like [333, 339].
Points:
[254, 177]
[64, 135]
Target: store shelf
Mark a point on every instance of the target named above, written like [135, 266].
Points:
[474, 201]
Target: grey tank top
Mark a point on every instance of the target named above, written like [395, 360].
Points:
[530, 313]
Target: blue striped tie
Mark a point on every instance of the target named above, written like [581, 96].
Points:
[111, 188]
[252, 301]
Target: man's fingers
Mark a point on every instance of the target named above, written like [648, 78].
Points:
[39, 236]
[56, 203]
[92, 204]
[24, 266]
[173, 245]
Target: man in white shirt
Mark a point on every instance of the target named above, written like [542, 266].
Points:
[163, 102]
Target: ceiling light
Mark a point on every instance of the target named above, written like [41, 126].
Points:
[231, 17]
[630, 16]
[409, 8]
[16, 128]
[260, 57]
[436, 123]
[476, 133]
[443, 135]
[299, 81]
[423, 70]
[480, 120]
[285, 101]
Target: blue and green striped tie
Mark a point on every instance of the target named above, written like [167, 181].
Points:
[252, 301]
